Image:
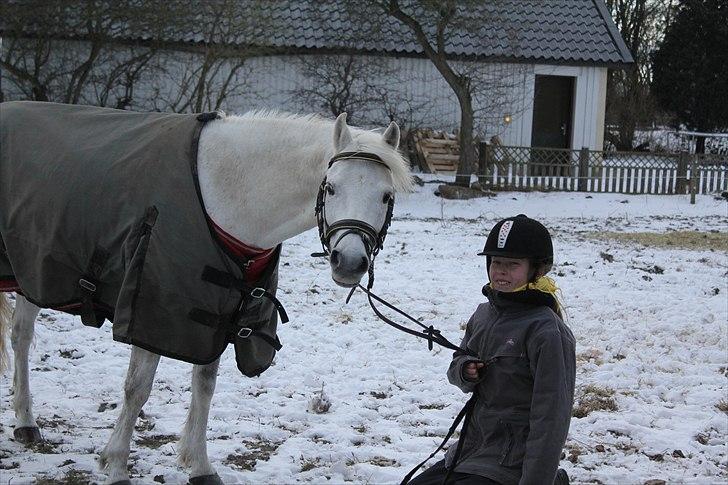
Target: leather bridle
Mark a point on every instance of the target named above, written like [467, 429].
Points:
[373, 240]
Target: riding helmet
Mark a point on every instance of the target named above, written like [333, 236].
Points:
[519, 237]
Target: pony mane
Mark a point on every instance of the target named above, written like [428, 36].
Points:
[372, 142]
[364, 140]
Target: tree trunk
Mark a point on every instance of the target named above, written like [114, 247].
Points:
[467, 149]
[700, 144]
[627, 128]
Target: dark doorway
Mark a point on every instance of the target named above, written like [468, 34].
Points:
[553, 103]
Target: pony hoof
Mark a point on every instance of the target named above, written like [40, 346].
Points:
[27, 435]
[213, 479]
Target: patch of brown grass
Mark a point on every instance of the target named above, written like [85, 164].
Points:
[308, 465]
[722, 406]
[594, 398]
[674, 239]
[433, 406]
[72, 477]
[258, 450]
[156, 441]
[382, 461]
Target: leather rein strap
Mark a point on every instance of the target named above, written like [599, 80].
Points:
[433, 336]
[429, 333]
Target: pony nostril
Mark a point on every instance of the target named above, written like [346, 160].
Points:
[363, 264]
[335, 257]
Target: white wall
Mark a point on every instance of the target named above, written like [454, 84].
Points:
[588, 109]
[418, 95]
[419, 82]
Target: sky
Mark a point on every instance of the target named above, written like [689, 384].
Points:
[652, 336]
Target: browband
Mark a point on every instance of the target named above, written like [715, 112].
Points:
[371, 157]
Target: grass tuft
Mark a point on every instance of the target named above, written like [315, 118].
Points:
[594, 398]
[72, 477]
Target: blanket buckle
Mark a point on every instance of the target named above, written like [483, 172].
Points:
[245, 332]
[87, 285]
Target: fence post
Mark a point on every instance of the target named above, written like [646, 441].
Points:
[484, 163]
[693, 177]
[682, 173]
[583, 167]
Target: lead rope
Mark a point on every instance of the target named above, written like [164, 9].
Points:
[433, 336]
[429, 333]
[466, 412]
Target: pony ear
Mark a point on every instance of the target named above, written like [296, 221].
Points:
[342, 135]
[391, 135]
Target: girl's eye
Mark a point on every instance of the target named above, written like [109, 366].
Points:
[387, 198]
[329, 189]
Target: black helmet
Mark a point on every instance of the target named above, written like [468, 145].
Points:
[520, 237]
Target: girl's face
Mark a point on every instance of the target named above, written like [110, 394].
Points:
[507, 274]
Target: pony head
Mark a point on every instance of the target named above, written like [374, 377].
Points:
[356, 198]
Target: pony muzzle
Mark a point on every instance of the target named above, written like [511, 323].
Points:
[350, 258]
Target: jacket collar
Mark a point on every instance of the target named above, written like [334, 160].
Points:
[519, 300]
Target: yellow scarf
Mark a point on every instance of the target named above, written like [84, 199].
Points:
[545, 285]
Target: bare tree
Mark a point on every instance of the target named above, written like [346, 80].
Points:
[498, 89]
[432, 22]
[210, 67]
[368, 88]
[192, 82]
[125, 53]
[393, 105]
[69, 51]
[629, 100]
[338, 83]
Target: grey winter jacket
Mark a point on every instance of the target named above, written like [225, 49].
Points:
[525, 392]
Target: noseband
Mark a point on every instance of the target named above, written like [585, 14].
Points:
[373, 240]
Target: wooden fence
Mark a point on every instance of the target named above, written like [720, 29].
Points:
[525, 168]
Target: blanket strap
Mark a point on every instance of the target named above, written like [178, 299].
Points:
[216, 321]
[89, 284]
[227, 280]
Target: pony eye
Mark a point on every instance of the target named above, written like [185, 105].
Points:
[387, 198]
[329, 189]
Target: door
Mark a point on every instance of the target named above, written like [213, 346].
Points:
[553, 103]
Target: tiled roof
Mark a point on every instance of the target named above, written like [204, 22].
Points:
[544, 31]
[563, 31]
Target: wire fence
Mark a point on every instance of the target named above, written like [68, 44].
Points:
[526, 168]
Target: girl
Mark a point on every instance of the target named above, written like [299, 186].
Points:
[524, 378]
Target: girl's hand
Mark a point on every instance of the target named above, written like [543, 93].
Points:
[471, 370]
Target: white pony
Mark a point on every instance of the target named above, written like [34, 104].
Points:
[272, 165]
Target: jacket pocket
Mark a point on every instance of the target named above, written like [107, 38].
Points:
[135, 255]
[514, 445]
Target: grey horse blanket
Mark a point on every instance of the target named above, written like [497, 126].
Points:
[101, 215]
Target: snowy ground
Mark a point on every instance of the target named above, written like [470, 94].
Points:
[654, 342]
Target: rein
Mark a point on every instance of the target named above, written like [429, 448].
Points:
[429, 333]
[433, 336]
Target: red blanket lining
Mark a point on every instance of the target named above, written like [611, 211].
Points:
[259, 260]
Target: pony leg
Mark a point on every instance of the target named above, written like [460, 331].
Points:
[26, 429]
[138, 385]
[193, 443]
